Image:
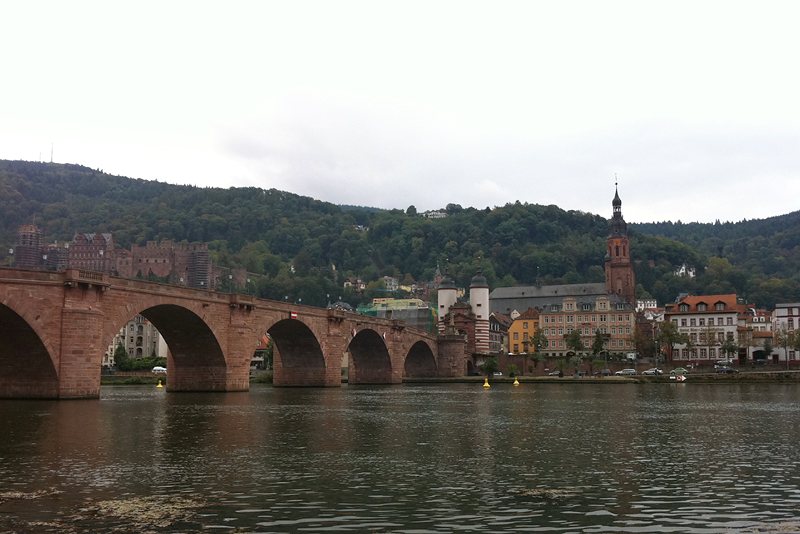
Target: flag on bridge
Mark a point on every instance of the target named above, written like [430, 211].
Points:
[293, 315]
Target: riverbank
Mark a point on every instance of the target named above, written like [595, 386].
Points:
[777, 376]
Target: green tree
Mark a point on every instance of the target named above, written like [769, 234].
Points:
[730, 346]
[490, 366]
[598, 343]
[121, 359]
[575, 362]
[574, 341]
[511, 370]
[561, 365]
[767, 349]
[669, 336]
[784, 338]
[597, 363]
[539, 340]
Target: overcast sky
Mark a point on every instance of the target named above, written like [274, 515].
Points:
[694, 105]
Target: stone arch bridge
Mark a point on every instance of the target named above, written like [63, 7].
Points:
[56, 326]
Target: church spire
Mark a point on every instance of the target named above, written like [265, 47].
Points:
[617, 227]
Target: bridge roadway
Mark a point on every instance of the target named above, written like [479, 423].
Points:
[55, 328]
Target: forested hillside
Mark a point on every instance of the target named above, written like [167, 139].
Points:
[271, 232]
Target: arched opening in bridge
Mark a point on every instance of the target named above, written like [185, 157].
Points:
[420, 361]
[297, 356]
[370, 363]
[26, 367]
[172, 336]
[470, 368]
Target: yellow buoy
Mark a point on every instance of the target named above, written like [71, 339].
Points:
[516, 381]
[159, 384]
[486, 384]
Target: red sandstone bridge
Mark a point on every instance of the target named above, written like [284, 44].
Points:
[56, 326]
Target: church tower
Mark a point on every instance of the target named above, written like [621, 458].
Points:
[619, 269]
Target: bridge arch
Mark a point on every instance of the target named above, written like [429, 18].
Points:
[370, 362]
[420, 361]
[298, 357]
[27, 367]
[195, 361]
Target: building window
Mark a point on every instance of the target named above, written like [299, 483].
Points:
[580, 319]
[730, 321]
[719, 321]
[703, 353]
[586, 343]
[613, 342]
[516, 347]
[587, 307]
[516, 336]
[701, 322]
[524, 336]
[692, 322]
[525, 325]
[553, 307]
[569, 318]
[594, 318]
[613, 331]
[602, 318]
[603, 330]
[560, 318]
[560, 331]
[627, 318]
[627, 329]
[720, 306]
[561, 343]
[569, 306]
[712, 353]
[701, 307]
[693, 336]
[546, 318]
[684, 307]
[683, 322]
[602, 305]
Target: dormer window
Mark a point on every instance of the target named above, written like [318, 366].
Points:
[701, 307]
[587, 307]
[554, 307]
[720, 306]
[620, 306]
[684, 307]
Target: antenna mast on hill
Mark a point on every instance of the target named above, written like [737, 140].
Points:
[51, 152]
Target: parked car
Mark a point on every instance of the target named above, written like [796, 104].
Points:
[498, 373]
[653, 371]
[626, 372]
[679, 371]
[605, 372]
[723, 362]
[727, 370]
[554, 373]
[583, 373]
[159, 370]
[760, 361]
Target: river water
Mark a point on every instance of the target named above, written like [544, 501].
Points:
[692, 458]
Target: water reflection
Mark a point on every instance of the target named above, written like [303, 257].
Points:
[434, 458]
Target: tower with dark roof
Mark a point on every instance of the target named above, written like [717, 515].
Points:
[479, 300]
[619, 269]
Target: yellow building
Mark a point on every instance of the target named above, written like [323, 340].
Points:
[522, 330]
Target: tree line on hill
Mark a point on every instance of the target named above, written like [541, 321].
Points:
[305, 248]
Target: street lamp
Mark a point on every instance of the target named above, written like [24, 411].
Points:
[230, 283]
